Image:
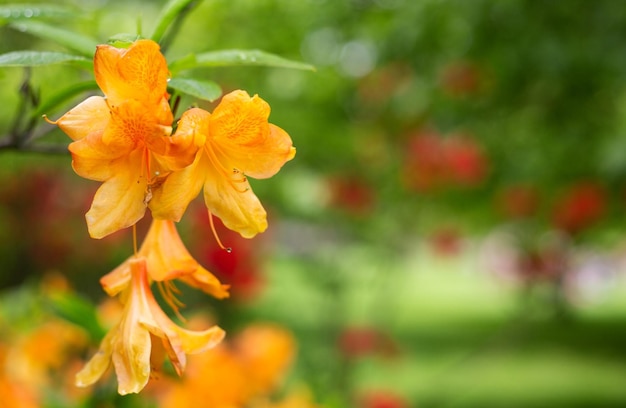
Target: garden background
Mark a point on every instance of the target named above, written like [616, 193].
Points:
[450, 232]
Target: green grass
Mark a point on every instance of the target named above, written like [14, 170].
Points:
[463, 339]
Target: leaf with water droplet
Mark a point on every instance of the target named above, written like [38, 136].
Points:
[10, 12]
[72, 41]
[238, 57]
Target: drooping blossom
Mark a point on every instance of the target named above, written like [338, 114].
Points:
[133, 344]
[234, 142]
[166, 258]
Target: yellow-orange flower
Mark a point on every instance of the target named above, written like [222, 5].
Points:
[235, 375]
[129, 345]
[234, 142]
[123, 139]
[166, 259]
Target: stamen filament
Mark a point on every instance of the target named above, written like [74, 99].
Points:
[217, 238]
[168, 291]
[225, 172]
[135, 251]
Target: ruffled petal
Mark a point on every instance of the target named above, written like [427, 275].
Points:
[170, 200]
[166, 255]
[99, 363]
[95, 160]
[121, 200]
[137, 72]
[232, 200]
[131, 354]
[239, 130]
[206, 282]
[183, 145]
[91, 115]
[117, 280]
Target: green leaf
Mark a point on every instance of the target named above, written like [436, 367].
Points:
[237, 57]
[35, 58]
[169, 13]
[83, 45]
[77, 310]
[27, 11]
[58, 98]
[123, 40]
[207, 90]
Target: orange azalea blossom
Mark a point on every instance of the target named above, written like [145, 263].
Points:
[124, 139]
[234, 142]
[166, 259]
[131, 344]
[236, 374]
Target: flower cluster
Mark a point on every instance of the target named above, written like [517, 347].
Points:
[126, 140]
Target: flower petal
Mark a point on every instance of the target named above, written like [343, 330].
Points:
[138, 72]
[133, 123]
[167, 258]
[120, 201]
[165, 253]
[91, 115]
[206, 282]
[94, 160]
[239, 130]
[234, 203]
[170, 200]
[131, 354]
[99, 363]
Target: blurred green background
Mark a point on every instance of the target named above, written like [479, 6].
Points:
[450, 232]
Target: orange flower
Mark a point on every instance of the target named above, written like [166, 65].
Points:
[129, 345]
[166, 259]
[124, 139]
[234, 142]
[238, 374]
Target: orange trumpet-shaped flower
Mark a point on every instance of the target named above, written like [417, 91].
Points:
[234, 142]
[166, 259]
[129, 344]
[123, 139]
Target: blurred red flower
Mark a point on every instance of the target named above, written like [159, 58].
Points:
[582, 205]
[518, 201]
[381, 399]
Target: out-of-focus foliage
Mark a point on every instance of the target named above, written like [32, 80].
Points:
[427, 126]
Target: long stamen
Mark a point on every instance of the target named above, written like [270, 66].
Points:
[52, 122]
[135, 239]
[217, 238]
[168, 292]
[225, 172]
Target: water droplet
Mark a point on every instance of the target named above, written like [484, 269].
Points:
[15, 13]
[28, 13]
[6, 13]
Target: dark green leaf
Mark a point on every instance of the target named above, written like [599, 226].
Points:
[34, 58]
[83, 45]
[238, 57]
[206, 90]
[10, 12]
[168, 15]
